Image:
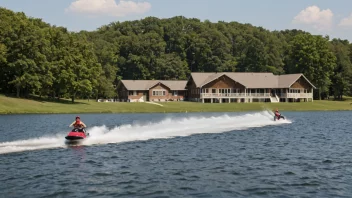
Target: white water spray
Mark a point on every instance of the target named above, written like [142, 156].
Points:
[167, 128]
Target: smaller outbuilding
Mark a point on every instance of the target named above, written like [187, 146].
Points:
[151, 90]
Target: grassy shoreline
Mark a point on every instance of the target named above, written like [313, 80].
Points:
[9, 105]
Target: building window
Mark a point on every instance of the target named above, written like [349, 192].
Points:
[295, 91]
[132, 93]
[235, 91]
[159, 93]
[175, 93]
[204, 90]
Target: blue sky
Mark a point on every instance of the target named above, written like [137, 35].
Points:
[325, 17]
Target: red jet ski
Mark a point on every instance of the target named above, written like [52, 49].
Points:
[278, 117]
[77, 134]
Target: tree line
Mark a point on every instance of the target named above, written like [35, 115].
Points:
[40, 59]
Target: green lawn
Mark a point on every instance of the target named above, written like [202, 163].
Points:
[9, 105]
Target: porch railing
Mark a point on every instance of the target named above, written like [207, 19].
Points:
[222, 95]
[259, 95]
[297, 95]
[234, 95]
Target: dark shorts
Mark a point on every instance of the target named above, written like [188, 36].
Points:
[78, 130]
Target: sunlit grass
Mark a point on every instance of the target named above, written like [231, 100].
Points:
[9, 105]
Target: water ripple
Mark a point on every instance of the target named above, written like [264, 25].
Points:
[300, 159]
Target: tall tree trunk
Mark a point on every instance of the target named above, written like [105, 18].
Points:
[58, 94]
[26, 92]
[18, 89]
[73, 97]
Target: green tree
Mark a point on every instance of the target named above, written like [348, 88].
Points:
[312, 56]
[342, 77]
[37, 58]
[171, 67]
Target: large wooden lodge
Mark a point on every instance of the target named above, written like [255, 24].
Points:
[227, 87]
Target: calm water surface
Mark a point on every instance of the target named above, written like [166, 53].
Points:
[209, 155]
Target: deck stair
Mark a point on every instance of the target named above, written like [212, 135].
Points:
[274, 99]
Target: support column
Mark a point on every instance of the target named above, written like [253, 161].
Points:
[202, 100]
[245, 95]
[312, 94]
[220, 100]
[211, 100]
[229, 100]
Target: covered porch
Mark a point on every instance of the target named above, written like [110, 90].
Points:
[228, 95]
[297, 95]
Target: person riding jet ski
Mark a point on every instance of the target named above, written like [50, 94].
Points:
[78, 124]
[278, 115]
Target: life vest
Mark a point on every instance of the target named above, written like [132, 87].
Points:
[78, 124]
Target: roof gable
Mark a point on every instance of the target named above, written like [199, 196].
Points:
[286, 81]
[211, 78]
[305, 79]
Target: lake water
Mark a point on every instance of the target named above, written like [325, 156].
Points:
[178, 155]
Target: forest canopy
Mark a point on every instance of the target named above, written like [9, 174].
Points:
[45, 60]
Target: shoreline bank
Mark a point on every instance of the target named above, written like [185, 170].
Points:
[9, 106]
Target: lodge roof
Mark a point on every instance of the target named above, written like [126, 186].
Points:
[147, 84]
[250, 80]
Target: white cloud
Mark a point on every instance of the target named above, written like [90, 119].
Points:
[108, 7]
[346, 22]
[319, 19]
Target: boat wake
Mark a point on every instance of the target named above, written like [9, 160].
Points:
[167, 128]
